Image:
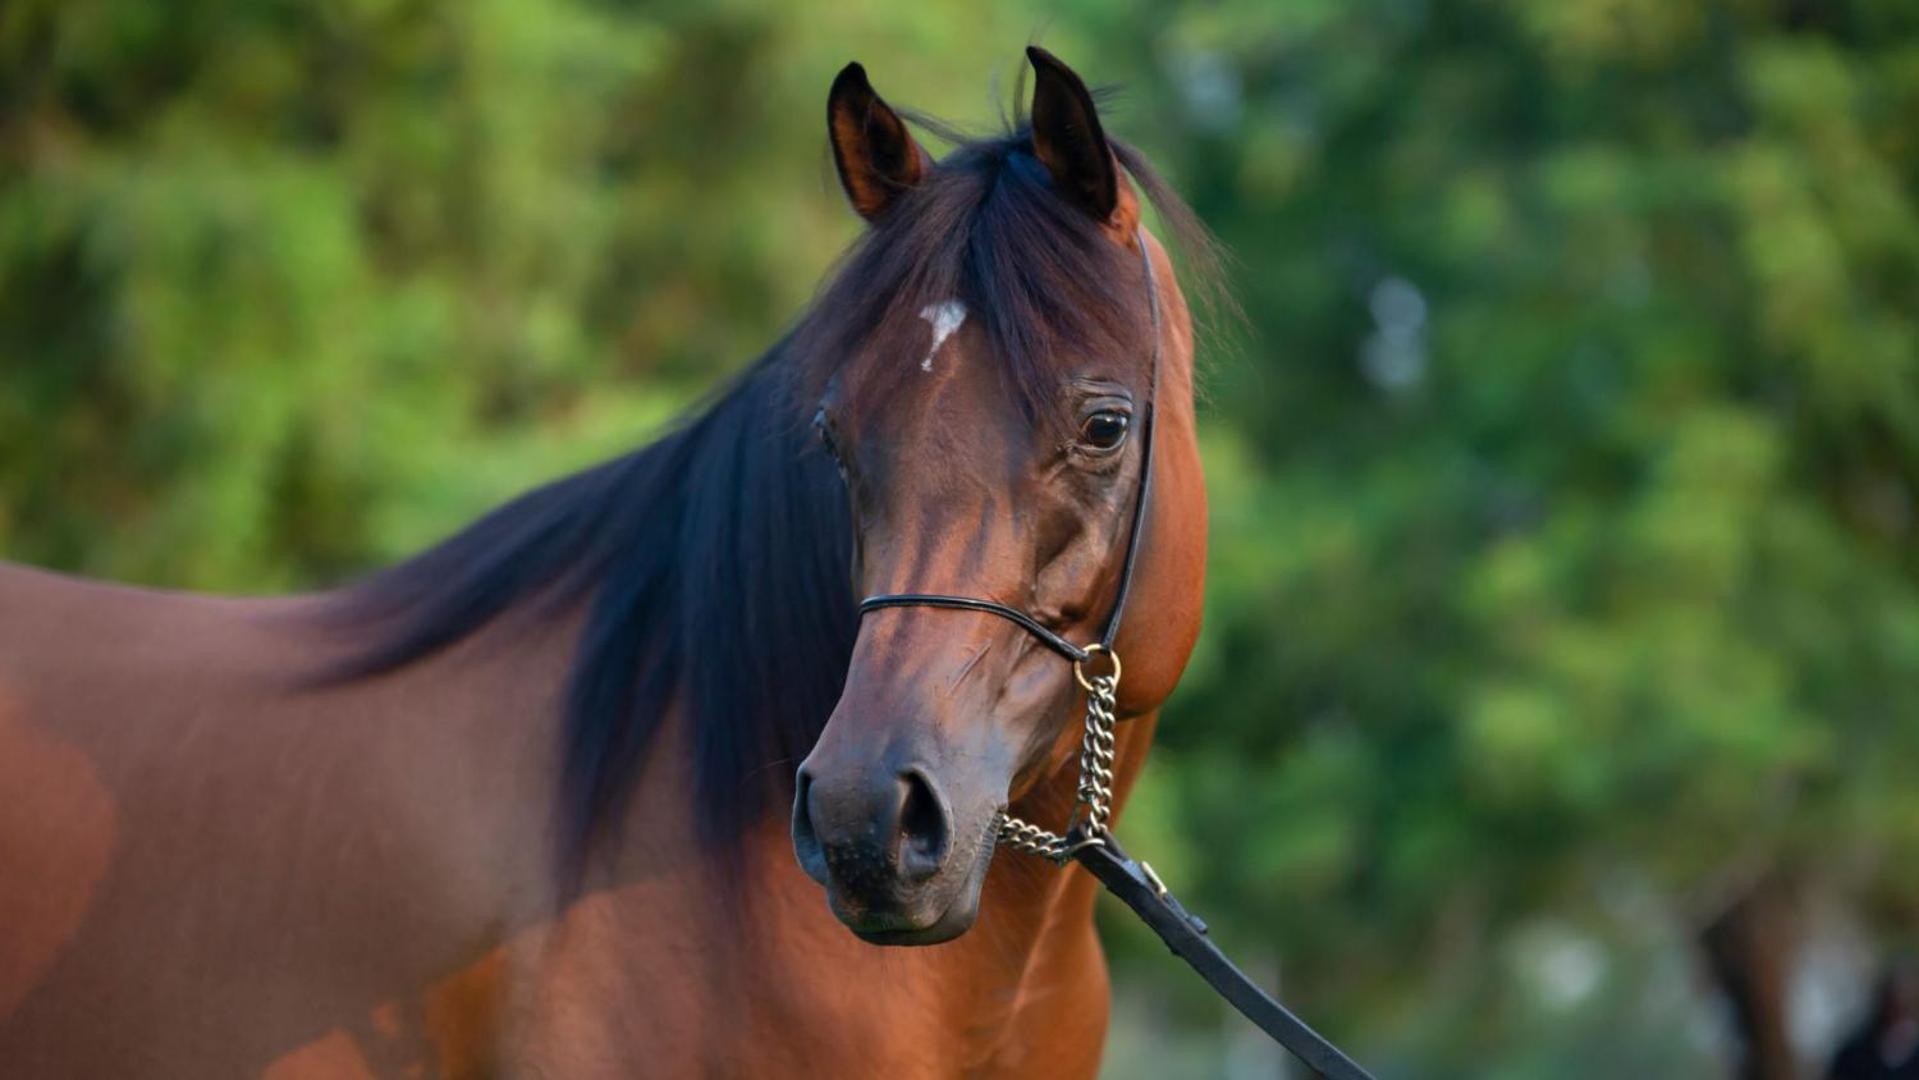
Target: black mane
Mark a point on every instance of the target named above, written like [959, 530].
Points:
[714, 563]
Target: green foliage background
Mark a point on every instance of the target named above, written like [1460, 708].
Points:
[1564, 577]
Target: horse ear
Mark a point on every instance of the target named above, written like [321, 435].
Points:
[1068, 140]
[877, 157]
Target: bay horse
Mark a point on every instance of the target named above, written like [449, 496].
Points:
[514, 807]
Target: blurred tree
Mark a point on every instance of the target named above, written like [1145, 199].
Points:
[274, 275]
[1565, 553]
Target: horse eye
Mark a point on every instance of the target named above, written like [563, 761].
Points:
[1104, 430]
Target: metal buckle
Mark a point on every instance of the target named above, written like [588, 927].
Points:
[1146, 870]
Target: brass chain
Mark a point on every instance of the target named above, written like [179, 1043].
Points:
[1093, 806]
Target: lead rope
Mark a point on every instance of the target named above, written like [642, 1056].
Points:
[1093, 804]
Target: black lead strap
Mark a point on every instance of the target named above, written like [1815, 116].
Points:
[1134, 883]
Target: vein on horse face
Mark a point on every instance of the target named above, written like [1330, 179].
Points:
[966, 668]
[946, 318]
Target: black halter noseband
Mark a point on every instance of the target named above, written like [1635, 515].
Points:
[1051, 638]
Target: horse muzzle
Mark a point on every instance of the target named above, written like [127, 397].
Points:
[900, 864]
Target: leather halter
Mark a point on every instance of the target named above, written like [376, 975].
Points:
[1051, 638]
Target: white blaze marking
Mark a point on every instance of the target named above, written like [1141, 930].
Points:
[946, 317]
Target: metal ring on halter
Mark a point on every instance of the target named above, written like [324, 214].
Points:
[1079, 666]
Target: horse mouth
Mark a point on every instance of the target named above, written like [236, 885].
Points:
[899, 928]
[941, 931]
[924, 922]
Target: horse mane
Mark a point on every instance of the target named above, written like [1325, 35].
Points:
[713, 564]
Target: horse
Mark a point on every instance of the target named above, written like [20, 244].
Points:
[519, 805]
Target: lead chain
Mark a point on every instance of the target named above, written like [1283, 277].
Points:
[1094, 800]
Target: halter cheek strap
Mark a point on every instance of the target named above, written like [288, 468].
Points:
[1052, 639]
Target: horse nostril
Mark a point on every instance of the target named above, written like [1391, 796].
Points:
[924, 833]
[806, 839]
